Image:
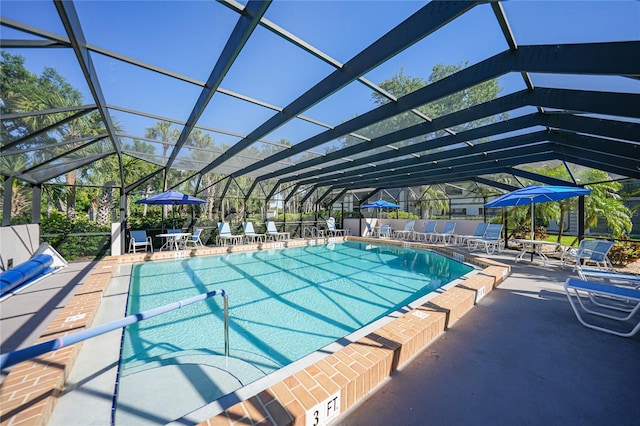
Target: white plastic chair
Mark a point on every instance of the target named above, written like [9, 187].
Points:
[250, 233]
[384, 231]
[490, 242]
[590, 251]
[406, 232]
[194, 239]
[427, 234]
[446, 235]
[478, 233]
[224, 234]
[618, 303]
[332, 230]
[274, 234]
[139, 239]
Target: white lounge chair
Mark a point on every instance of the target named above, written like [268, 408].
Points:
[609, 277]
[590, 251]
[384, 231]
[225, 235]
[427, 234]
[406, 232]
[446, 235]
[274, 234]
[332, 231]
[461, 240]
[619, 303]
[139, 239]
[194, 239]
[490, 242]
[250, 233]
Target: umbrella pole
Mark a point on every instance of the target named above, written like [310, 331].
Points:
[533, 224]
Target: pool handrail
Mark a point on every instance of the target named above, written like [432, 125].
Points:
[11, 358]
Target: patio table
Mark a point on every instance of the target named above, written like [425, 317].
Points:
[534, 247]
[174, 241]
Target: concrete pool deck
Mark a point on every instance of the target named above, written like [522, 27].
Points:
[505, 368]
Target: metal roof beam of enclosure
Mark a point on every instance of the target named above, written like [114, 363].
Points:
[57, 171]
[443, 141]
[495, 184]
[595, 160]
[436, 157]
[449, 174]
[548, 180]
[309, 194]
[624, 130]
[245, 26]
[340, 194]
[292, 192]
[226, 187]
[596, 102]
[497, 159]
[64, 154]
[370, 194]
[574, 58]
[325, 194]
[432, 16]
[71, 22]
[625, 151]
[46, 129]
[134, 185]
[623, 159]
[273, 191]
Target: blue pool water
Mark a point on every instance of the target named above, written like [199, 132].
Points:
[283, 304]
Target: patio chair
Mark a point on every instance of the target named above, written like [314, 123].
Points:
[490, 242]
[224, 235]
[138, 240]
[332, 231]
[429, 230]
[618, 303]
[590, 251]
[274, 234]
[250, 233]
[384, 231]
[461, 240]
[194, 239]
[406, 232]
[368, 232]
[446, 235]
[611, 277]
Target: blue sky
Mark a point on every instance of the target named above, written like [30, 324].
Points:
[186, 37]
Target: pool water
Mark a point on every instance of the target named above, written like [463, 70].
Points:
[283, 304]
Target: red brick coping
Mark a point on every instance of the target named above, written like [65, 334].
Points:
[324, 389]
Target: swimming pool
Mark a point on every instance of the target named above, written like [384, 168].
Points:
[283, 305]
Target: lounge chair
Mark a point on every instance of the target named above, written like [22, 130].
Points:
[619, 303]
[609, 277]
[490, 242]
[427, 234]
[384, 231]
[194, 239]
[406, 232]
[224, 235]
[332, 231]
[461, 240]
[446, 235]
[250, 233]
[590, 251]
[139, 239]
[273, 234]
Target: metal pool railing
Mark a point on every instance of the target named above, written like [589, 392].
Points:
[12, 358]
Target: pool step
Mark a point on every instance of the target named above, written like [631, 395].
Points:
[165, 389]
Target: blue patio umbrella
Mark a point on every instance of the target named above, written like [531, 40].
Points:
[537, 194]
[380, 204]
[171, 198]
